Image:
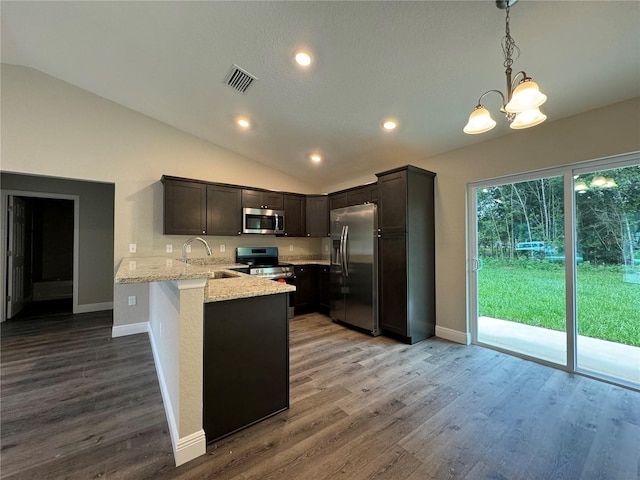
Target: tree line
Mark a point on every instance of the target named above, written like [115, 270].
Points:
[607, 211]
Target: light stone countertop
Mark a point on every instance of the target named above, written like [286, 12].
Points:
[325, 262]
[222, 284]
[243, 286]
[161, 269]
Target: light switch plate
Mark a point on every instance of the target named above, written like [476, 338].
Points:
[133, 248]
[132, 300]
[291, 248]
[169, 248]
[222, 248]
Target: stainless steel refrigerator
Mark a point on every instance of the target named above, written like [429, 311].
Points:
[354, 267]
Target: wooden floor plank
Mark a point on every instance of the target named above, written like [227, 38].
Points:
[77, 404]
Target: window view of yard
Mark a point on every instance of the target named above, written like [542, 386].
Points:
[532, 292]
[520, 234]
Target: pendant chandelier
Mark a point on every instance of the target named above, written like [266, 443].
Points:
[521, 103]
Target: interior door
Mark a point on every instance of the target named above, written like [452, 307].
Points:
[15, 255]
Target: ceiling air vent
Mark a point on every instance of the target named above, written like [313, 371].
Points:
[239, 79]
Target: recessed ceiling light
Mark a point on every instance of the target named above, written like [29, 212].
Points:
[303, 58]
[243, 123]
[315, 157]
[389, 124]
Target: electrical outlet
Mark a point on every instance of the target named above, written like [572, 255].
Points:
[291, 248]
[133, 248]
[188, 249]
[222, 248]
[169, 248]
[132, 300]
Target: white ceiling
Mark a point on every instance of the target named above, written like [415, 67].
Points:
[424, 63]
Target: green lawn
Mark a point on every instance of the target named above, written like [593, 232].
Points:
[533, 292]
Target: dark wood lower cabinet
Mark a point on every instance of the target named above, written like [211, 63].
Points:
[305, 298]
[324, 288]
[312, 289]
[246, 362]
[392, 283]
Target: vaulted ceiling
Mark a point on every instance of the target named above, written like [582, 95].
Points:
[422, 63]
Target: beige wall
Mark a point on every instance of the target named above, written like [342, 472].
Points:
[52, 128]
[611, 130]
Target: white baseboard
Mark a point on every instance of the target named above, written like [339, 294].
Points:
[190, 447]
[185, 448]
[92, 307]
[131, 329]
[453, 335]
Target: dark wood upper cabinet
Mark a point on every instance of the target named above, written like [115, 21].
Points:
[185, 207]
[262, 199]
[294, 215]
[192, 207]
[373, 189]
[392, 189]
[338, 200]
[363, 194]
[317, 215]
[224, 210]
[406, 253]
[354, 196]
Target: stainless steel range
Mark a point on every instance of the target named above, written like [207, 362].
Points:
[263, 262]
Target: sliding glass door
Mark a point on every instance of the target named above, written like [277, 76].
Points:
[608, 273]
[520, 275]
[555, 267]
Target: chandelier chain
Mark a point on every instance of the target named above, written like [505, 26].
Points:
[509, 46]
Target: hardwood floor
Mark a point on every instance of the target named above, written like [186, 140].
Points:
[77, 404]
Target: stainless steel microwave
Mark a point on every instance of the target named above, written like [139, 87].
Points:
[264, 221]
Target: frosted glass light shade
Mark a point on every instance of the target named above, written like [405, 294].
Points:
[480, 121]
[526, 96]
[528, 118]
[580, 186]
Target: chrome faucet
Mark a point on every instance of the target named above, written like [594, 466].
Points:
[184, 247]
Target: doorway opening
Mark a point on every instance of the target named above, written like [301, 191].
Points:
[41, 244]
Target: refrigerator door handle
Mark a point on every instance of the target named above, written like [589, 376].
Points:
[341, 251]
[344, 251]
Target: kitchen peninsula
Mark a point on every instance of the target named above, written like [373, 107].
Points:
[179, 295]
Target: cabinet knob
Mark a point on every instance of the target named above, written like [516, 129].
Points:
[204, 231]
[239, 233]
[308, 234]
